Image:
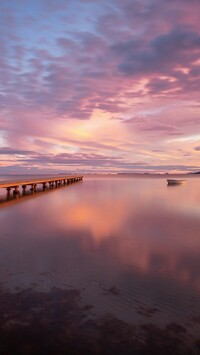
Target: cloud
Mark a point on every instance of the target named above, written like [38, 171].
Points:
[79, 160]
[133, 61]
[160, 55]
[13, 151]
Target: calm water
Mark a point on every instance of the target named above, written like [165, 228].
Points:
[129, 247]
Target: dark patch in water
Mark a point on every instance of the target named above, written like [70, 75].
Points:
[34, 323]
[146, 311]
[176, 328]
[112, 290]
[196, 319]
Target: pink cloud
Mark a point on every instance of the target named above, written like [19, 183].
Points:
[133, 61]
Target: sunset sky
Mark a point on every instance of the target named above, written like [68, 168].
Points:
[99, 86]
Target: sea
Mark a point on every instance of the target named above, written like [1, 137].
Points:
[106, 265]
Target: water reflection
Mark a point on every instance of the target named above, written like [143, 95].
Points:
[130, 245]
[11, 197]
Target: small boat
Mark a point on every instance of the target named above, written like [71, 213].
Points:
[175, 181]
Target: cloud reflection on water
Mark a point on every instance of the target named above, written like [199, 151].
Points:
[122, 232]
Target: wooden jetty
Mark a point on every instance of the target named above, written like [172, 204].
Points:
[45, 182]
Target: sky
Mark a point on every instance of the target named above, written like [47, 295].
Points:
[99, 86]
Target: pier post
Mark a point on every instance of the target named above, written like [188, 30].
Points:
[24, 189]
[16, 190]
[33, 187]
[8, 192]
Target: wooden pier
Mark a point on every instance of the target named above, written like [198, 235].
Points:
[45, 182]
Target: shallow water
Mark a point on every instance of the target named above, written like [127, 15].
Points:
[129, 245]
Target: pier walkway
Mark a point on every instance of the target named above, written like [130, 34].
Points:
[46, 182]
